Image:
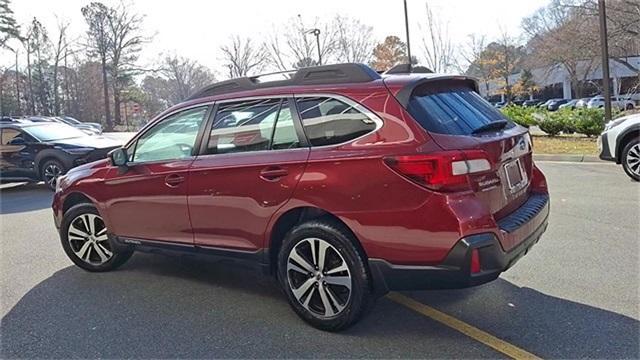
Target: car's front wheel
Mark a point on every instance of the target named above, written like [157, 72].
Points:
[86, 242]
[631, 159]
[50, 171]
[324, 275]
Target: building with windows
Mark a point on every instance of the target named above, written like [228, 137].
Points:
[555, 81]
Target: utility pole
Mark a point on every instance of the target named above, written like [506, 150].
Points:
[605, 60]
[406, 25]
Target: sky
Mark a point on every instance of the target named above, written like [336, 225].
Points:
[196, 28]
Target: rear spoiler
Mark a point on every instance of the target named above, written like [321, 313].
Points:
[404, 95]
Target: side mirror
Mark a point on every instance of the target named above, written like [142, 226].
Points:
[17, 141]
[118, 157]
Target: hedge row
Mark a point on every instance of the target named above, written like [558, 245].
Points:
[589, 122]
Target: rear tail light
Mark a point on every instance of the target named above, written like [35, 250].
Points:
[475, 261]
[442, 171]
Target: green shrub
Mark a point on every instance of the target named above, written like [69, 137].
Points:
[589, 122]
[567, 118]
[520, 115]
[551, 126]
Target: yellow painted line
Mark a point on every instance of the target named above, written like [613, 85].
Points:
[491, 341]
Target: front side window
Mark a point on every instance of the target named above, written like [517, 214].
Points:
[328, 121]
[172, 138]
[9, 135]
[252, 125]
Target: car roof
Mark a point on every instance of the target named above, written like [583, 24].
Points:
[336, 78]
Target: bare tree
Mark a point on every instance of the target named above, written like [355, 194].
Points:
[242, 57]
[184, 77]
[562, 35]
[97, 17]
[294, 46]
[39, 43]
[475, 56]
[436, 43]
[353, 41]
[124, 44]
[59, 53]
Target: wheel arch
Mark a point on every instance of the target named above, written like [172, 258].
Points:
[298, 215]
[74, 199]
[50, 154]
[623, 140]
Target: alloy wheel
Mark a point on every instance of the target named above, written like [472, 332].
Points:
[51, 173]
[87, 236]
[319, 277]
[633, 159]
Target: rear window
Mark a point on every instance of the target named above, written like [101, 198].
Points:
[453, 111]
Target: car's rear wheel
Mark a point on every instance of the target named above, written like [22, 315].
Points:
[324, 275]
[629, 107]
[85, 240]
[50, 171]
[631, 159]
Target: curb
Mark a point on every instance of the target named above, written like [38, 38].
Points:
[567, 158]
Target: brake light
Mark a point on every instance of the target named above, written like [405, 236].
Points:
[442, 171]
[475, 261]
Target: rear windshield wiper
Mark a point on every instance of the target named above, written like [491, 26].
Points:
[494, 125]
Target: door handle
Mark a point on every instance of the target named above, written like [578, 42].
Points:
[273, 173]
[173, 180]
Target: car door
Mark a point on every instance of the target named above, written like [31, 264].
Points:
[148, 198]
[16, 154]
[251, 161]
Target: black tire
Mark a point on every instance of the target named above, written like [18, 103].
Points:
[343, 248]
[46, 167]
[629, 107]
[118, 256]
[630, 166]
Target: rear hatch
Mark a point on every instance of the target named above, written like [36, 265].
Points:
[458, 118]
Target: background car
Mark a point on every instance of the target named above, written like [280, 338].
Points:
[620, 142]
[33, 151]
[86, 128]
[582, 103]
[571, 104]
[532, 102]
[616, 102]
[75, 122]
[555, 104]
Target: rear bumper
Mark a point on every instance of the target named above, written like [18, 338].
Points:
[455, 271]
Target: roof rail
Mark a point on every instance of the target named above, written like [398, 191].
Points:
[315, 75]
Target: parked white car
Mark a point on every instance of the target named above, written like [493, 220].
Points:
[582, 103]
[616, 102]
[620, 142]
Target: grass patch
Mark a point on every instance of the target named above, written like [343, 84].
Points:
[564, 145]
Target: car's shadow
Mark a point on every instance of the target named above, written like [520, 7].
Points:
[22, 197]
[159, 307]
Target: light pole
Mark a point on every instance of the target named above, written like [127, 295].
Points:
[605, 60]
[316, 33]
[406, 25]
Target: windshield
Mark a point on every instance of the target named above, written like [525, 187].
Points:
[51, 132]
[454, 111]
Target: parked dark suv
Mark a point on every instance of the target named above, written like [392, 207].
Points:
[34, 151]
[343, 183]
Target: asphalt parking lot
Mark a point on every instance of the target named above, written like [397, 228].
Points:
[575, 295]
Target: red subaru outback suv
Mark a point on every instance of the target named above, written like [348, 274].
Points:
[343, 183]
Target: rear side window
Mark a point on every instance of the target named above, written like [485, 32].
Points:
[453, 111]
[252, 125]
[328, 121]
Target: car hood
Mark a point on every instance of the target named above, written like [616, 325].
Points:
[96, 142]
